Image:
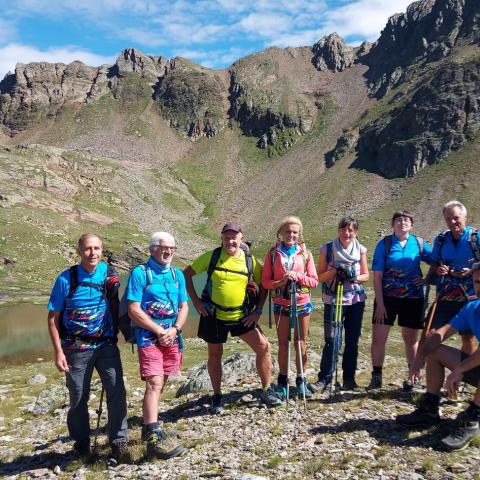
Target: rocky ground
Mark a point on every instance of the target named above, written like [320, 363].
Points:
[349, 435]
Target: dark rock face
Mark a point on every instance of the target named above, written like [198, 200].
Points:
[266, 106]
[191, 99]
[438, 118]
[332, 53]
[427, 32]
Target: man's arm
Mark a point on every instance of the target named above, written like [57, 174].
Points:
[434, 339]
[169, 335]
[456, 376]
[189, 273]
[142, 320]
[54, 331]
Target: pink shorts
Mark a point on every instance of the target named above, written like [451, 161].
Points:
[155, 360]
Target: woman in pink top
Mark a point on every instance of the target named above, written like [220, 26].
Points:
[289, 261]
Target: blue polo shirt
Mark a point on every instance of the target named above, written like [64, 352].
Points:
[468, 319]
[86, 316]
[165, 292]
[456, 255]
[401, 267]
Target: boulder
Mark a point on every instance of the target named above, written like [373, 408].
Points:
[54, 396]
[332, 53]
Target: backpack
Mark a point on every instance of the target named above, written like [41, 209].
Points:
[251, 290]
[125, 324]
[109, 290]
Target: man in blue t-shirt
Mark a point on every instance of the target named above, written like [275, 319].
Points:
[157, 304]
[463, 367]
[83, 335]
[454, 253]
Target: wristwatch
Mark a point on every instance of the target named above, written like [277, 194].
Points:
[258, 310]
[177, 328]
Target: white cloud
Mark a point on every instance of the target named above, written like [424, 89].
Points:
[364, 18]
[8, 31]
[265, 25]
[14, 53]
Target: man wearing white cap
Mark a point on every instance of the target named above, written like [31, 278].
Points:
[157, 304]
[224, 309]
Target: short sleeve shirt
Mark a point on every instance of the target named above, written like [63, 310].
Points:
[86, 317]
[456, 255]
[166, 291]
[468, 319]
[228, 288]
[401, 267]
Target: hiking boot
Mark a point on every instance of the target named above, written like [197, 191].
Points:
[121, 453]
[318, 386]
[425, 415]
[162, 445]
[467, 430]
[375, 382]
[302, 387]
[350, 385]
[217, 404]
[280, 392]
[269, 398]
[82, 447]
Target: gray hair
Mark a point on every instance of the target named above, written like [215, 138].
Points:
[454, 204]
[84, 237]
[157, 237]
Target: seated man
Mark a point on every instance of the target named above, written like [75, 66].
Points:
[462, 366]
[222, 309]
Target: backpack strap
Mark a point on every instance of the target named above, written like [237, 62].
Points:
[273, 256]
[73, 282]
[474, 244]
[329, 252]
[387, 242]
[441, 241]
[420, 242]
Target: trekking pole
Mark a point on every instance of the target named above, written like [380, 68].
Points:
[336, 316]
[288, 285]
[99, 414]
[295, 323]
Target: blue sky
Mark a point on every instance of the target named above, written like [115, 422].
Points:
[214, 33]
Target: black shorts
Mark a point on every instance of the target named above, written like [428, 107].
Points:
[213, 330]
[444, 312]
[408, 310]
[472, 376]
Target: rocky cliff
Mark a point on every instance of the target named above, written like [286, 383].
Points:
[422, 69]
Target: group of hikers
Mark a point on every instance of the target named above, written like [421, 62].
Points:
[84, 308]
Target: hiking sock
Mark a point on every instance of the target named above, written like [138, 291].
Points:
[299, 380]
[377, 371]
[151, 427]
[282, 379]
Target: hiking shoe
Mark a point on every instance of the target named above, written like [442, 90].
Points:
[303, 387]
[280, 391]
[350, 385]
[162, 445]
[425, 415]
[121, 453]
[318, 386]
[375, 382]
[269, 398]
[467, 430]
[217, 404]
[82, 447]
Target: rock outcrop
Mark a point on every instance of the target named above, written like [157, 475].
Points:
[191, 97]
[426, 32]
[436, 120]
[332, 53]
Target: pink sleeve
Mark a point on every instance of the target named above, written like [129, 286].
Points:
[310, 278]
[267, 280]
